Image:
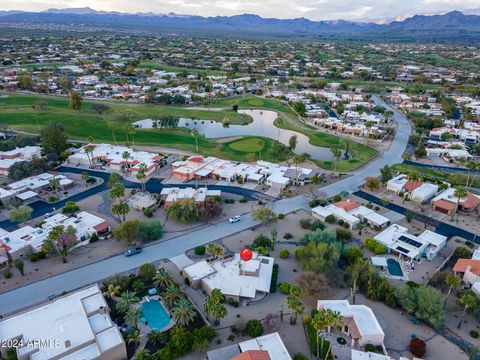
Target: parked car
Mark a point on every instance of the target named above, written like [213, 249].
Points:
[234, 219]
[133, 251]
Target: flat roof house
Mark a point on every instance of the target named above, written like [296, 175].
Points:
[173, 194]
[235, 278]
[351, 213]
[8, 158]
[399, 242]
[266, 347]
[360, 322]
[76, 326]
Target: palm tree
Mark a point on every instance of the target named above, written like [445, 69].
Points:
[126, 156]
[142, 175]
[112, 291]
[469, 301]
[89, 152]
[320, 323]
[112, 125]
[156, 337]
[214, 305]
[143, 354]
[214, 250]
[132, 132]
[336, 322]
[163, 279]
[183, 312]
[298, 161]
[337, 154]
[196, 134]
[454, 282]
[471, 166]
[133, 336]
[133, 316]
[85, 177]
[294, 303]
[126, 300]
[171, 295]
[460, 193]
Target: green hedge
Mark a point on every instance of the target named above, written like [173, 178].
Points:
[273, 284]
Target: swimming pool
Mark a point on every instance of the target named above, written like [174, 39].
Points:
[155, 315]
[394, 268]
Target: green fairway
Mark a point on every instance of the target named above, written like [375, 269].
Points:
[247, 145]
[22, 112]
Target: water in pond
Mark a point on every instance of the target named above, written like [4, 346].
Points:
[262, 125]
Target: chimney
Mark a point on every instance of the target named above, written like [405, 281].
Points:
[67, 344]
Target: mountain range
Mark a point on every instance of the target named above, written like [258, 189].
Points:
[452, 25]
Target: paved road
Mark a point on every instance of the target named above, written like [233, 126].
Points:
[38, 292]
[392, 156]
[27, 295]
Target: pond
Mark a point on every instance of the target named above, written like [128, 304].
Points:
[262, 125]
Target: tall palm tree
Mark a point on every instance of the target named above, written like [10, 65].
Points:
[336, 322]
[320, 323]
[142, 175]
[460, 193]
[454, 282]
[112, 125]
[125, 156]
[471, 166]
[133, 316]
[163, 279]
[132, 132]
[89, 152]
[183, 312]
[298, 161]
[172, 295]
[469, 301]
[196, 134]
[337, 154]
[125, 302]
[54, 184]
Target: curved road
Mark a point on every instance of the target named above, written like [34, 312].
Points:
[28, 295]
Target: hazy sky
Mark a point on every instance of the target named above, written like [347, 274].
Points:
[312, 9]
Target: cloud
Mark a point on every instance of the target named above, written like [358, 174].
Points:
[312, 9]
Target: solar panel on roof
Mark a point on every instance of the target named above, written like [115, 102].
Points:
[401, 249]
[410, 241]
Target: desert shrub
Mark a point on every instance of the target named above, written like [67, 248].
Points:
[284, 288]
[254, 328]
[284, 253]
[330, 219]
[200, 250]
[418, 347]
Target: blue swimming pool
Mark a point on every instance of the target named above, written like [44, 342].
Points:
[155, 315]
[394, 268]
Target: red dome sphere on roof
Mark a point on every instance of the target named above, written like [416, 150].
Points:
[246, 254]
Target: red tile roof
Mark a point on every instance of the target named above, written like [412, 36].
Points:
[411, 185]
[462, 264]
[347, 205]
[444, 204]
[253, 355]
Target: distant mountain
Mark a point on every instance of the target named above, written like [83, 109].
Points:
[450, 25]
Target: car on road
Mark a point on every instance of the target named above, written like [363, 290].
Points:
[133, 251]
[234, 219]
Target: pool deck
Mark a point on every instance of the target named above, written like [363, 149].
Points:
[145, 329]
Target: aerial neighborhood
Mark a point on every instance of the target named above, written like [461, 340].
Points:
[171, 194]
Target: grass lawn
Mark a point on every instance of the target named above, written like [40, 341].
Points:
[436, 175]
[247, 145]
[289, 120]
[18, 111]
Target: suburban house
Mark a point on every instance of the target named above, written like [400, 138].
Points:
[8, 158]
[470, 268]
[266, 347]
[351, 213]
[414, 190]
[115, 158]
[173, 194]
[410, 247]
[236, 279]
[15, 243]
[361, 325]
[74, 326]
[446, 202]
